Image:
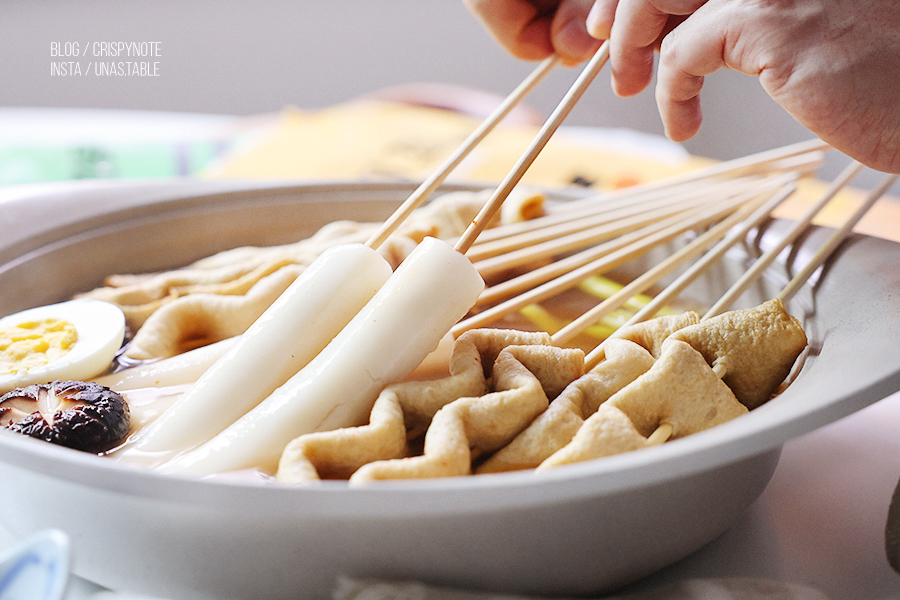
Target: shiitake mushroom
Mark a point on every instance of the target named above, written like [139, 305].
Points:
[77, 414]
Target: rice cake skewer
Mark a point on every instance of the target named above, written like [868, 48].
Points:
[433, 288]
[306, 402]
[302, 320]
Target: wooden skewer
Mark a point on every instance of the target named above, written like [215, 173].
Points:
[535, 277]
[625, 217]
[427, 187]
[805, 156]
[537, 252]
[593, 358]
[559, 114]
[664, 431]
[822, 255]
[559, 268]
[836, 239]
[763, 262]
[661, 434]
[806, 163]
[652, 276]
[572, 277]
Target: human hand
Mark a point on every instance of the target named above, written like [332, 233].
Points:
[832, 65]
[535, 29]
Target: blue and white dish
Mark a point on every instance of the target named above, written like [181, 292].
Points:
[37, 568]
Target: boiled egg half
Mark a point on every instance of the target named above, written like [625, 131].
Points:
[77, 340]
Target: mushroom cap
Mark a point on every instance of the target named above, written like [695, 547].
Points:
[81, 415]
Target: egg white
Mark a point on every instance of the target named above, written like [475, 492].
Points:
[101, 330]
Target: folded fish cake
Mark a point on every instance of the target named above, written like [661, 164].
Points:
[339, 453]
[405, 409]
[205, 318]
[753, 350]
[652, 333]
[609, 431]
[679, 391]
[517, 396]
[525, 379]
[625, 361]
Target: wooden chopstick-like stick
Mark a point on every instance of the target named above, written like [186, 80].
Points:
[559, 114]
[763, 262]
[560, 267]
[593, 358]
[835, 239]
[573, 277]
[614, 217]
[535, 252]
[427, 187]
[805, 162]
[653, 275]
[719, 250]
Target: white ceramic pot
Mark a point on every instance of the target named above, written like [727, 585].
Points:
[582, 529]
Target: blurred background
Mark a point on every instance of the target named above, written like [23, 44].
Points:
[226, 57]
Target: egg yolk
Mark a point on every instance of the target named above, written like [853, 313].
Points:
[34, 344]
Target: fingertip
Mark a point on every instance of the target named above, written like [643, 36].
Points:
[572, 41]
[517, 26]
[678, 99]
[626, 87]
[681, 120]
[631, 72]
[533, 41]
[600, 19]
